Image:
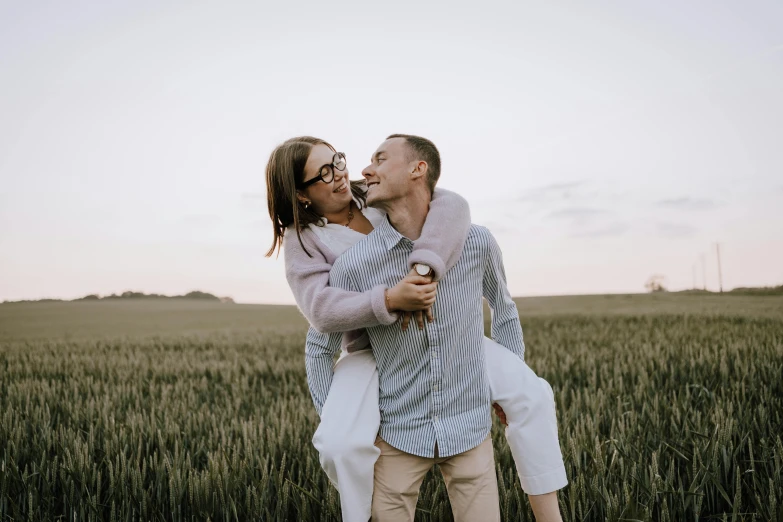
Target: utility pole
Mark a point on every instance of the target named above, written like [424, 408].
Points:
[704, 271]
[720, 276]
[694, 276]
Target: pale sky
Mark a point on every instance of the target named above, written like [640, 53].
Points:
[600, 142]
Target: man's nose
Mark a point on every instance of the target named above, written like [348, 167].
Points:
[368, 171]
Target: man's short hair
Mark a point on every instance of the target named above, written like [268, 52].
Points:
[424, 150]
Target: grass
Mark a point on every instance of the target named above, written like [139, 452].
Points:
[669, 408]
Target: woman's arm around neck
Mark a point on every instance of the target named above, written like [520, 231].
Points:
[328, 309]
[444, 233]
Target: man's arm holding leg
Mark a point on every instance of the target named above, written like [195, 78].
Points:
[320, 349]
[506, 329]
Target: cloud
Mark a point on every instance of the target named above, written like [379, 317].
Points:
[577, 213]
[616, 228]
[502, 228]
[560, 187]
[589, 222]
[675, 230]
[688, 203]
[553, 191]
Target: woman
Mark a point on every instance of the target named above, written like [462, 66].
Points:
[317, 214]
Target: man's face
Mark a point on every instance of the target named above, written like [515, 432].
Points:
[388, 175]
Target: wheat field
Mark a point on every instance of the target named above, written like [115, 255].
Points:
[670, 408]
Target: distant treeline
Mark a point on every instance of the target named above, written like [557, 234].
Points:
[760, 290]
[763, 290]
[196, 294]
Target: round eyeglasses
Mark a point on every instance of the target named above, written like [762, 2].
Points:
[326, 172]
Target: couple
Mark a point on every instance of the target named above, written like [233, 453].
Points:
[360, 257]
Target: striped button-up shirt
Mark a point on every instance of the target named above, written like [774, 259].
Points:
[433, 384]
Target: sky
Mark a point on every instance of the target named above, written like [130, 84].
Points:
[600, 142]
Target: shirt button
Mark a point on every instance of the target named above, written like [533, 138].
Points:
[434, 354]
[435, 387]
[435, 418]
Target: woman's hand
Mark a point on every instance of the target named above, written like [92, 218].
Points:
[413, 293]
[414, 297]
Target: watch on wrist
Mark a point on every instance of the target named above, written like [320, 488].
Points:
[422, 270]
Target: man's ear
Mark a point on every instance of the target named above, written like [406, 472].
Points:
[419, 169]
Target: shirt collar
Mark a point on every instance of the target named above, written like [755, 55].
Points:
[389, 234]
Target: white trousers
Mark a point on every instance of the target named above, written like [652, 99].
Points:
[350, 419]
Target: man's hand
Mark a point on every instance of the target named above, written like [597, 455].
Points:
[419, 316]
[500, 413]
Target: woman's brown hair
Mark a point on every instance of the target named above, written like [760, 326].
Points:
[284, 173]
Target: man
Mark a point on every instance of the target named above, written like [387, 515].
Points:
[434, 394]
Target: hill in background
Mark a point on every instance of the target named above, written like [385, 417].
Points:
[112, 318]
[196, 294]
[205, 296]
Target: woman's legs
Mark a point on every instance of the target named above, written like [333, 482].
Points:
[528, 402]
[345, 439]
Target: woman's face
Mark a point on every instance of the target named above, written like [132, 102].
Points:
[326, 198]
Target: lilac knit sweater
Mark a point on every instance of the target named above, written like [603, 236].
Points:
[331, 309]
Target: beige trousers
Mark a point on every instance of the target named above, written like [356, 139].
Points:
[470, 481]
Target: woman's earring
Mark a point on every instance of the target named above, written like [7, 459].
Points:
[306, 204]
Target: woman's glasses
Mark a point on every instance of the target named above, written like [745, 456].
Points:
[326, 173]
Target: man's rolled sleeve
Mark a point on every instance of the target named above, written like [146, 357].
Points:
[320, 348]
[506, 329]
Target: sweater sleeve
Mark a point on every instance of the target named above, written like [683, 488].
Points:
[329, 309]
[444, 233]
